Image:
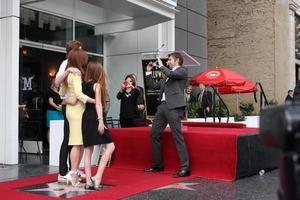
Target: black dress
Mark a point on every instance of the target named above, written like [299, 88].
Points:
[90, 122]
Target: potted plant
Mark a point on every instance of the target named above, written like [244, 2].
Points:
[251, 118]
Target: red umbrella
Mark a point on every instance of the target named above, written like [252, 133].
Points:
[248, 87]
[219, 77]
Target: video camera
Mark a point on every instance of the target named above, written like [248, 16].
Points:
[280, 128]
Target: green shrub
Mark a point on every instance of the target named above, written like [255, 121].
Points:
[238, 117]
[273, 102]
[247, 109]
[220, 109]
[192, 110]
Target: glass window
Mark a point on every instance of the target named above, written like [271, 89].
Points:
[45, 28]
[96, 58]
[86, 34]
[297, 36]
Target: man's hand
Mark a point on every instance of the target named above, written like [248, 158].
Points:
[74, 70]
[160, 63]
[207, 108]
[149, 67]
[141, 107]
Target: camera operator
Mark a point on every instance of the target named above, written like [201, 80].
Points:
[280, 128]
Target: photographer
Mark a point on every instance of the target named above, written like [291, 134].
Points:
[171, 109]
[128, 95]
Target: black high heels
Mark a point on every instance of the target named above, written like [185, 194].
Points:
[99, 187]
[90, 187]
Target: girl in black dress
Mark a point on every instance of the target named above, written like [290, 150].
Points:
[94, 129]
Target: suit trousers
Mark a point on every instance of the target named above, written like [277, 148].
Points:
[64, 148]
[164, 116]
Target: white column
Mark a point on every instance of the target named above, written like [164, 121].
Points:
[166, 35]
[9, 80]
[291, 74]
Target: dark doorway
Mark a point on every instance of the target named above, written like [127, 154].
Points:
[37, 68]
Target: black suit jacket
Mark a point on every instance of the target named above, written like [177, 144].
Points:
[206, 102]
[172, 85]
[191, 99]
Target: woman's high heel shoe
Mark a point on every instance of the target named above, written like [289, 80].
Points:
[97, 187]
[74, 178]
[90, 187]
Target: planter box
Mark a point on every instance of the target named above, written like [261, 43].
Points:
[251, 121]
[210, 119]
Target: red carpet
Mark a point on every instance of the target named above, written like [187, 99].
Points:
[123, 183]
[213, 155]
[213, 151]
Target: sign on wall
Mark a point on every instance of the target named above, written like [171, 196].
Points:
[27, 83]
[152, 96]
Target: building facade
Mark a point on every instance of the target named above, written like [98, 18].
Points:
[257, 39]
[33, 34]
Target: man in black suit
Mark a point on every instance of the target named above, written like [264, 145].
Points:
[170, 111]
[204, 99]
[189, 97]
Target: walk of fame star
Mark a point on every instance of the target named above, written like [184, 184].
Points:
[57, 190]
[181, 186]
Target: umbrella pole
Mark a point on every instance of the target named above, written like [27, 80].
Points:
[237, 102]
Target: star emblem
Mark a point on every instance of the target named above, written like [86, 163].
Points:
[58, 190]
[181, 186]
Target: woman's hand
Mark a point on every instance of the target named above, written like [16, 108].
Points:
[123, 87]
[59, 108]
[101, 127]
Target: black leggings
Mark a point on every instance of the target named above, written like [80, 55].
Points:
[65, 149]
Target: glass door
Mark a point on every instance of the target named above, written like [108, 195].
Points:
[37, 68]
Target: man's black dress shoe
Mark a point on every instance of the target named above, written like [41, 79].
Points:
[182, 173]
[154, 169]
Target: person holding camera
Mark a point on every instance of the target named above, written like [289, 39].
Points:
[128, 95]
[170, 111]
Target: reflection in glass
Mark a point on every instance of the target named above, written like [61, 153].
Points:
[45, 28]
[86, 34]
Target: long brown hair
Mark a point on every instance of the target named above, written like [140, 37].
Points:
[78, 58]
[96, 73]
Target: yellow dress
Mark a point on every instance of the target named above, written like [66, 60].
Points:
[74, 112]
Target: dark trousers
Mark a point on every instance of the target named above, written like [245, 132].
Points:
[64, 148]
[164, 116]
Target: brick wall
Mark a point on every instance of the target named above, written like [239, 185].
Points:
[243, 35]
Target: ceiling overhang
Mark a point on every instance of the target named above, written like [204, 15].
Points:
[27, 2]
[138, 14]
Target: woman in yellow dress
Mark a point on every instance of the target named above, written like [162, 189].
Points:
[72, 87]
